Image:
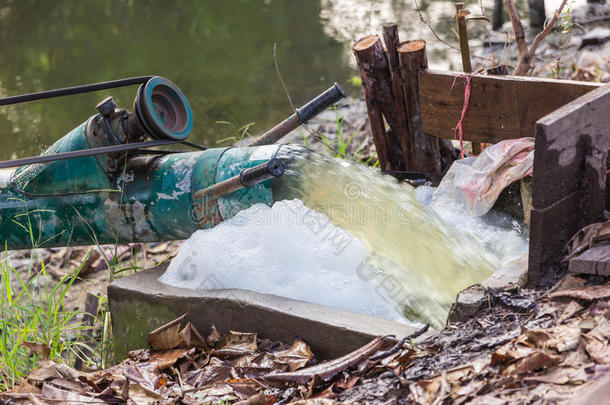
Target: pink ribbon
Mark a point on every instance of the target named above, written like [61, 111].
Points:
[458, 128]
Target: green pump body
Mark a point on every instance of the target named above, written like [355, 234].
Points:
[122, 197]
[76, 202]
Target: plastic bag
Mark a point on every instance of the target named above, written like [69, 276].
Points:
[475, 183]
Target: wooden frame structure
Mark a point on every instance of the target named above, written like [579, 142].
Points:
[570, 120]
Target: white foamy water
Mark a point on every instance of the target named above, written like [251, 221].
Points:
[351, 238]
[287, 250]
[504, 241]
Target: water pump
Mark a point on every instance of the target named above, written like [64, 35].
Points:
[101, 183]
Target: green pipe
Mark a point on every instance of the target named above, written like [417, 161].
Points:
[120, 197]
[150, 199]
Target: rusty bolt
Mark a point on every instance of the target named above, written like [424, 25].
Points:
[106, 106]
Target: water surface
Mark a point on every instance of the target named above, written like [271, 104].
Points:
[219, 52]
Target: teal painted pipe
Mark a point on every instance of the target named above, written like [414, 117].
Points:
[73, 202]
[122, 198]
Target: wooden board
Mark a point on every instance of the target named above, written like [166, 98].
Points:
[567, 140]
[550, 229]
[593, 261]
[563, 138]
[501, 107]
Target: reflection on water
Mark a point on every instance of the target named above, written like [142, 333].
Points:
[220, 52]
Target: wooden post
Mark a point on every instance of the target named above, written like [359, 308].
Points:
[412, 55]
[390, 37]
[377, 125]
[460, 15]
[373, 63]
[568, 182]
[498, 16]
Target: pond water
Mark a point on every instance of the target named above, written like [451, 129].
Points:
[219, 52]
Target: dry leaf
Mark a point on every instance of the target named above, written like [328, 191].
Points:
[191, 337]
[535, 361]
[593, 292]
[239, 341]
[166, 337]
[39, 348]
[213, 337]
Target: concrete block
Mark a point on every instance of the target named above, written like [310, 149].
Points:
[140, 303]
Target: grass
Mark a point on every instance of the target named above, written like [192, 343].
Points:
[340, 147]
[34, 323]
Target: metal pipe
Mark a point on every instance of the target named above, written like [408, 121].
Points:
[151, 198]
[302, 115]
[246, 178]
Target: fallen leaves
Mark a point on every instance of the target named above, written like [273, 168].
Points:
[589, 293]
[525, 348]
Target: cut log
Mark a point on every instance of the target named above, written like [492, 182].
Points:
[412, 55]
[377, 125]
[390, 37]
[372, 61]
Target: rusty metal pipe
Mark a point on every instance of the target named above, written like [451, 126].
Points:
[302, 115]
[246, 178]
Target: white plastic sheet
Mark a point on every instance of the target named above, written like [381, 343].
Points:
[475, 183]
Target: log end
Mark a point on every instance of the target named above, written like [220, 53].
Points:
[365, 43]
[411, 46]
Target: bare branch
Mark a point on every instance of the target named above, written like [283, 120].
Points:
[517, 26]
[526, 56]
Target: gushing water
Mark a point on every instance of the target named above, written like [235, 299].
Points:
[362, 242]
[418, 259]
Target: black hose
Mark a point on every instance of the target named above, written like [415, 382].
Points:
[66, 91]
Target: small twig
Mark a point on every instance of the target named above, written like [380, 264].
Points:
[423, 20]
[398, 346]
[329, 369]
[304, 125]
[279, 76]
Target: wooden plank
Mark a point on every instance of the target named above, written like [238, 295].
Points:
[500, 107]
[571, 147]
[593, 261]
[563, 139]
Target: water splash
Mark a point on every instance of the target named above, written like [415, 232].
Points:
[418, 260]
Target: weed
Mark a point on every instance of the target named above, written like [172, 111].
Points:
[242, 132]
[34, 323]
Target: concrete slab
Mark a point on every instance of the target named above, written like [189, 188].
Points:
[140, 303]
